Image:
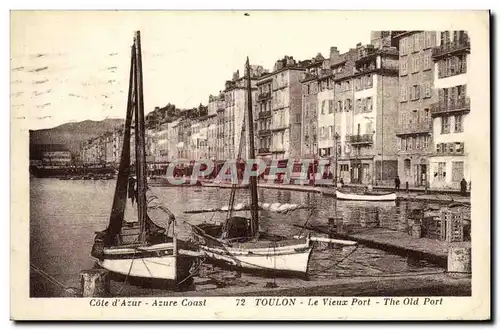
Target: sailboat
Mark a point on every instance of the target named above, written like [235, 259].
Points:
[239, 242]
[139, 249]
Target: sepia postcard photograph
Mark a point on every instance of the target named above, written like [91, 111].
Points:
[250, 165]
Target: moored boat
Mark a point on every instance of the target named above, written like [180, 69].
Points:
[369, 197]
[140, 249]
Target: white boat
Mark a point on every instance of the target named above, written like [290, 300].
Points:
[141, 248]
[366, 197]
[227, 185]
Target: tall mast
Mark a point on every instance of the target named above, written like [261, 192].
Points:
[254, 207]
[140, 164]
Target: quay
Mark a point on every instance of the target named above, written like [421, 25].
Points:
[418, 284]
[437, 196]
[396, 242]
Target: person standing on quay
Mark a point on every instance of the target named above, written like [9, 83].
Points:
[131, 189]
[463, 187]
[397, 182]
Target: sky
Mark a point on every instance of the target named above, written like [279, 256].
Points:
[69, 66]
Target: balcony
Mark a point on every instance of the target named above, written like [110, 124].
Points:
[414, 129]
[451, 48]
[457, 106]
[264, 96]
[264, 114]
[279, 128]
[264, 132]
[360, 139]
[450, 149]
[263, 151]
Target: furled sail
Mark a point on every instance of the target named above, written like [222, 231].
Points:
[271, 207]
[120, 197]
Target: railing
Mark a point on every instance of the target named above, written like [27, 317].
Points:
[264, 132]
[451, 47]
[458, 105]
[279, 128]
[264, 150]
[360, 139]
[263, 96]
[417, 128]
[264, 114]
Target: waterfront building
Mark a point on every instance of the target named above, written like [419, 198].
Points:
[280, 92]
[309, 115]
[56, 158]
[451, 111]
[366, 113]
[416, 84]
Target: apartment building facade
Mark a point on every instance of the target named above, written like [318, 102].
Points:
[367, 122]
[451, 112]
[416, 84]
[310, 90]
[283, 84]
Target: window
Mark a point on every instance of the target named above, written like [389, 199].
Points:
[428, 42]
[441, 173]
[403, 67]
[369, 81]
[426, 143]
[457, 171]
[403, 145]
[427, 90]
[427, 65]
[322, 133]
[416, 37]
[369, 104]
[348, 85]
[445, 125]
[459, 124]
[338, 107]
[415, 63]
[348, 105]
[323, 107]
[402, 92]
[410, 44]
[414, 92]
[330, 106]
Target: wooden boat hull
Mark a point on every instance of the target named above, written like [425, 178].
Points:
[368, 198]
[155, 262]
[292, 259]
[288, 257]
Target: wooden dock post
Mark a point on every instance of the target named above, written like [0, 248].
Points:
[95, 283]
[459, 260]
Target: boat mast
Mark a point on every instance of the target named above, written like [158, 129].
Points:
[254, 207]
[140, 152]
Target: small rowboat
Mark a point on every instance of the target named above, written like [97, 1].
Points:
[366, 197]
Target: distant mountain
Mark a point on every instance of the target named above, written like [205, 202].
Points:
[71, 135]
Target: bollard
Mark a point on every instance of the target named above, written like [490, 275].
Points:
[416, 231]
[459, 260]
[95, 283]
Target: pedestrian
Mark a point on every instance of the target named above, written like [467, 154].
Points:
[131, 189]
[397, 182]
[463, 187]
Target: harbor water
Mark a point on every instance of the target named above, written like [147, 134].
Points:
[65, 214]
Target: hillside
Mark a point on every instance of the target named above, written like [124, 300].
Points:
[73, 134]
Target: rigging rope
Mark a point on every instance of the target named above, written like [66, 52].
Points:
[55, 281]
